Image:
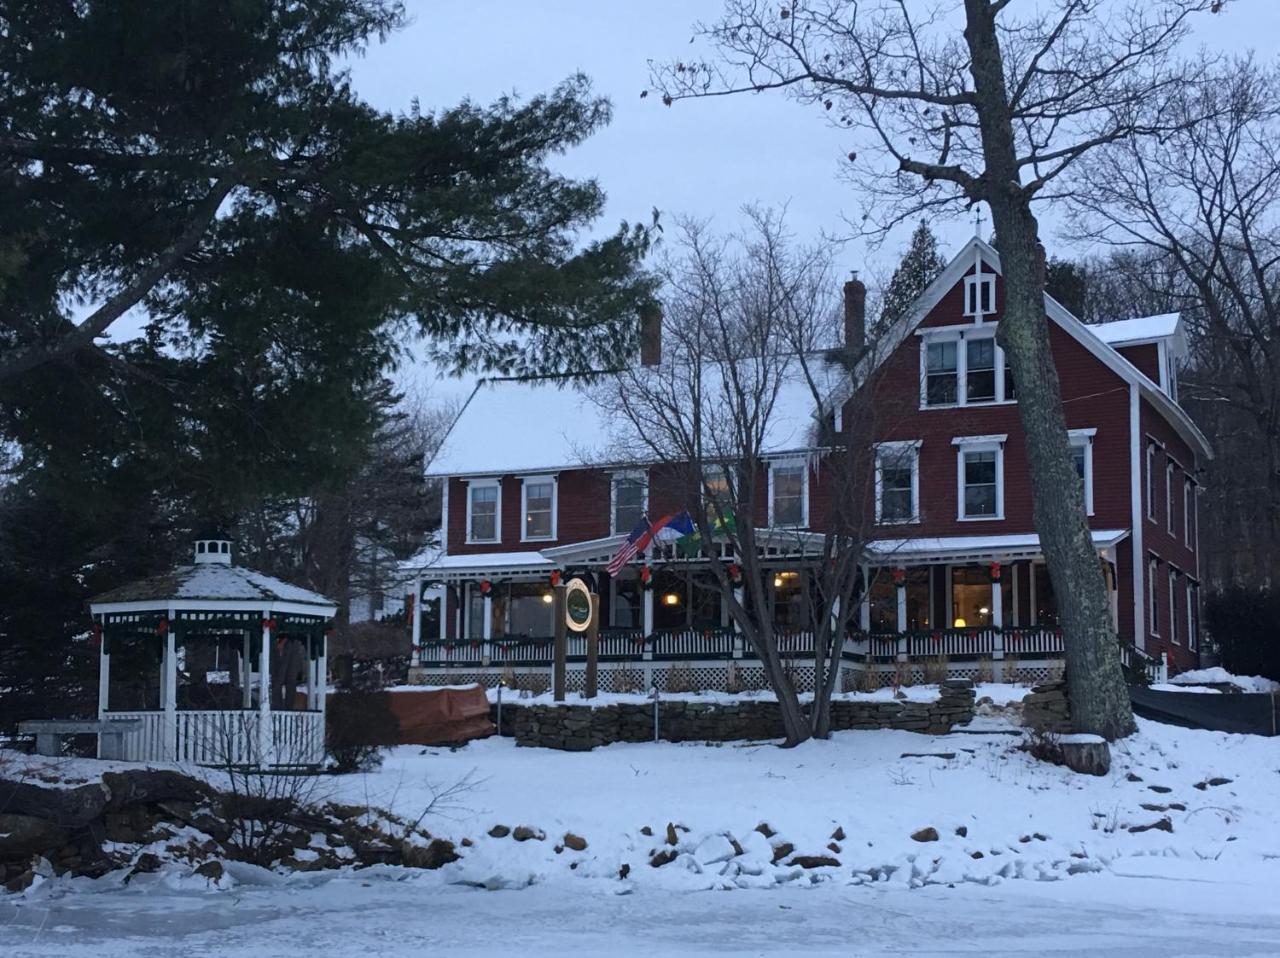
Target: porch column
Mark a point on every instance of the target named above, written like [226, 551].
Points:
[487, 634]
[648, 612]
[322, 676]
[264, 692]
[170, 689]
[900, 588]
[444, 612]
[311, 672]
[104, 673]
[864, 606]
[415, 611]
[246, 674]
[997, 599]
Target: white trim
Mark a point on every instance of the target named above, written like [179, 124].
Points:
[1170, 467]
[1083, 439]
[1188, 506]
[791, 463]
[982, 282]
[991, 440]
[1150, 483]
[542, 477]
[909, 447]
[1173, 606]
[632, 475]
[212, 605]
[444, 516]
[485, 483]
[1135, 518]
[1153, 593]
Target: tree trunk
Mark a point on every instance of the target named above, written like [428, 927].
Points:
[1095, 682]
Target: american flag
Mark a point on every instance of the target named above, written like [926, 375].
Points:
[630, 547]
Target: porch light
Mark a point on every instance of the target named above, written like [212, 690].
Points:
[984, 610]
[959, 624]
[548, 598]
[671, 598]
[777, 582]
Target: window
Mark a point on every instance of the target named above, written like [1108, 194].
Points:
[630, 501]
[961, 368]
[1188, 510]
[1168, 494]
[1153, 594]
[539, 507]
[1082, 451]
[482, 511]
[787, 505]
[980, 364]
[980, 295]
[1151, 481]
[970, 597]
[941, 374]
[717, 492]
[980, 468]
[1173, 606]
[898, 482]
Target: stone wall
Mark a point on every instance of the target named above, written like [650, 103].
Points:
[1045, 708]
[582, 727]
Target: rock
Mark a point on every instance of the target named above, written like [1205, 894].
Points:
[1160, 789]
[1164, 825]
[647, 831]
[963, 831]
[832, 846]
[22, 836]
[975, 855]
[152, 785]
[524, 833]
[499, 831]
[672, 837]
[147, 862]
[1130, 777]
[929, 834]
[624, 871]
[211, 870]
[66, 807]
[1212, 781]
[438, 853]
[467, 843]
[764, 829]
[663, 857]
[782, 850]
[838, 834]
[814, 861]
[1086, 754]
[575, 842]
[22, 882]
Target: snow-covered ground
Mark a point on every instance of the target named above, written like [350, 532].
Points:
[1220, 676]
[1176, 852]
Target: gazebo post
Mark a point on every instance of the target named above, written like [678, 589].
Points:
[415, 656]
[322, 679]
[170, 687]
[265, 737]
[104, 671]
[246, 674]
[311, 672]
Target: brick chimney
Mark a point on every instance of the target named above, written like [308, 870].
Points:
[650, 335]
[855, 316]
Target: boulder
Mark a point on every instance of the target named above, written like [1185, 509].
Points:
[499, 831]
[814, 861]
[22, 836]
[524, 833]
[1087, 754]
[439, 852]
[152, 785]
[211, 870]
[67, 807]
[929, 834]
[574, 842]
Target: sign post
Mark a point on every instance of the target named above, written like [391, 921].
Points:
[561, 644]
[593, 649]
[580, 612]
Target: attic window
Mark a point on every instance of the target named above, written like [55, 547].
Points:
[980, 295]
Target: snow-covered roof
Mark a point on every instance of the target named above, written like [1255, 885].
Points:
[549, 423]
[1021, 545]
[1141, 329]
[214, 582]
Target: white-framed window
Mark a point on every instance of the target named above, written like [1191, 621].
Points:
[1188, 510]
[1082, 453]
[537, 508]
[963, 367]
[484, 510]
[1153, 593]
[980, 477]
[980, 295]
[1173, 606]
[898, 482]
[789, 493]
[1151, 481]
[628, 500]
[1169, 469]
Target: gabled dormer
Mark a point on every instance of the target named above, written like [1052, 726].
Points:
[1153, 345]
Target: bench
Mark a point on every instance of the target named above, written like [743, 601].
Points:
[49, 733]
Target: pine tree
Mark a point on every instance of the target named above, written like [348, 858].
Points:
[919, 266]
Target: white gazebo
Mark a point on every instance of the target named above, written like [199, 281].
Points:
[217, 632]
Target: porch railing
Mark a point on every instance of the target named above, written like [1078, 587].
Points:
[228, 737]
[956, 643]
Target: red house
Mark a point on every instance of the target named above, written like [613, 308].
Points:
[954, 565]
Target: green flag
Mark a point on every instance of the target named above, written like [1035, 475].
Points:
[690, 545]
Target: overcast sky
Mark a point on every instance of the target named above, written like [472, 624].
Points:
[704, 158]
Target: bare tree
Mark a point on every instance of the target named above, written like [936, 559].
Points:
[993, 107]
[752, 368]
[1204, 203]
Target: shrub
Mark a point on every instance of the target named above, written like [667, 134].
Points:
[358, 727]
[1245, 624]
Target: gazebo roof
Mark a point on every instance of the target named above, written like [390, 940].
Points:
[225, 585]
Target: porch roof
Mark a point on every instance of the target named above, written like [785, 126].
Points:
[969, 548]
[454, 567]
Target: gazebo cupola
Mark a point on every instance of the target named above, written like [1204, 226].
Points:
[213, 547]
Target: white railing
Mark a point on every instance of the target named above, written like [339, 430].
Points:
[223, 737]
[1032, 641]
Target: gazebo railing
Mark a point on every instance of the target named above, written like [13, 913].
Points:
[224, 737]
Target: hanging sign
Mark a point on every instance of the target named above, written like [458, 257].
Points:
[577, 605]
